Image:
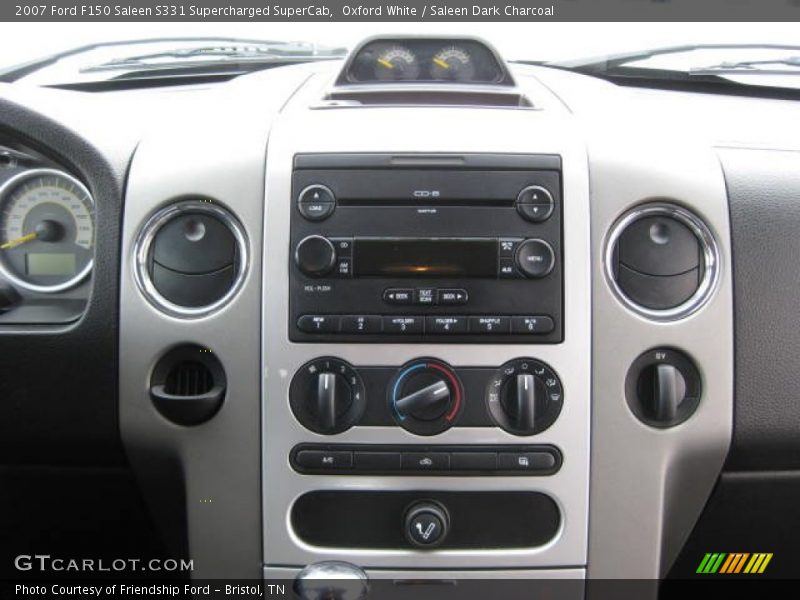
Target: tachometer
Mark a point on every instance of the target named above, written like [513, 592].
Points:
[453, 64]
[46, 230]
[396, 63]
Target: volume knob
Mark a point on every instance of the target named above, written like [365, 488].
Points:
[315, 256]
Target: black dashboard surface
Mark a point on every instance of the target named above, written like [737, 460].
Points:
[764, 197]
[59, 385]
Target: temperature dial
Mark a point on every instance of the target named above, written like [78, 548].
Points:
[426, 396]
[524, 396]
[327, 396]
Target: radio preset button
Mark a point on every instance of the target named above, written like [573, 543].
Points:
[316, 202]
[361, 324]
[398, 296]
[535, 258]
[535, 324]
[446, 325]
[403, 325]
[452, 297]
[489, 324]
[425, 296]
[318, 324]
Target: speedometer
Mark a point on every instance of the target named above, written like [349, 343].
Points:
[46, 231]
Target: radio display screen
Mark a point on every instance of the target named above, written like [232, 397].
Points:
[433, 257]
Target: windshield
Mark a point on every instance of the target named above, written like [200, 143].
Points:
[560, 43]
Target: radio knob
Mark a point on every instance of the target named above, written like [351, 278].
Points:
[535, 258]
[425, 397]
[315, 256]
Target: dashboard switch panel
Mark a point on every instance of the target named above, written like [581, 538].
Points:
[437, 460]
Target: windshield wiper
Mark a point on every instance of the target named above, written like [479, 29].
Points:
[748, 67]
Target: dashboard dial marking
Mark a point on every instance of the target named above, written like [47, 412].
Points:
[46, 230]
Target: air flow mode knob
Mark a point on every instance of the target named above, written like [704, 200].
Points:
[524, 396]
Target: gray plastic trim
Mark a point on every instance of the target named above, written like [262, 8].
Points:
[650, 485]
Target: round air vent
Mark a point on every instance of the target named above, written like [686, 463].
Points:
[662, 261]
[190, 258]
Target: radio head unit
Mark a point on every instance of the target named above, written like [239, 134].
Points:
[411, 248]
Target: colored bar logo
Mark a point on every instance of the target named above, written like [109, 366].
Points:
[734, 563]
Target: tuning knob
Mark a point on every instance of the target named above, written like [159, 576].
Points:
[524, 396]
[327, 396]
[315, 256]
[425, 397]
[663, 387]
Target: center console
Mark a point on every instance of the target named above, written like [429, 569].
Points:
[427, 388]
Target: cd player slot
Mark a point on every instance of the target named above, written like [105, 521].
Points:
[428, 201]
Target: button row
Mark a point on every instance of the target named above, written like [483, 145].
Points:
[537, 460]
[426, 296]
[444, 325]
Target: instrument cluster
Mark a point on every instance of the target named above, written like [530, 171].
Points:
[425, 61]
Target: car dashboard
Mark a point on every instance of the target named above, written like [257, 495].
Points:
[446, 318]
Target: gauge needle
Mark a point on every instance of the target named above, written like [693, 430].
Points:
[441, 63]
[385, 63]
[19, 241]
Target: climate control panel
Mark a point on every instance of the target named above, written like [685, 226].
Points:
[426, 396]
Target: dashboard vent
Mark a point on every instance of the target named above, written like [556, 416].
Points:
[188, 385]
[662, 261]
[189, 378]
